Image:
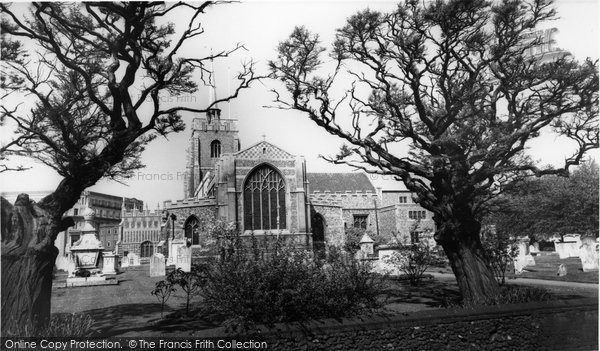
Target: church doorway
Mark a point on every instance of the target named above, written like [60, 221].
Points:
[318, 233]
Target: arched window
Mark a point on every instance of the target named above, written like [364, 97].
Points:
[146, 249]
[264, 200]
[192, 230]
[215, 149]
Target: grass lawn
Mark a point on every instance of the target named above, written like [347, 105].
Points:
[546, 267]
[128, 309]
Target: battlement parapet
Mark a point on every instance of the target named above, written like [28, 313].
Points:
[339, 194]
[141, 213]
[190, 203]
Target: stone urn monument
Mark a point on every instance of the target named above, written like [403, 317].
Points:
[85, 256]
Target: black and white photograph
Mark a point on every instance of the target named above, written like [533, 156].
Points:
[299, 175]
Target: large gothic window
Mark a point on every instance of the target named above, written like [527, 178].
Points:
[146, 249]
[264, 200]
[192, 230]
[215, 149]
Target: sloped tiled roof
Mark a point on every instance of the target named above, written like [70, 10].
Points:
[340, 182]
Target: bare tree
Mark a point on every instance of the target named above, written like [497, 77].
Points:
[96, 74]
[453, 83]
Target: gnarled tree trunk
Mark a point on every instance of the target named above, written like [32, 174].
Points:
[461, 242]
[28, 256]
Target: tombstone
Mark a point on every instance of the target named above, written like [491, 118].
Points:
[523, 257]
[588, 254]
[533, 249]
[109, 263]
[523, 245]
[520, 262]
[555, 238]
[572, 238]
[567, 249]
[536, 246]
[71, 267]
[184, 258]
[132, 259]
[157, 265]
[174, 246]
[574, 243]
[124, 262]
[561, 250]
[562, 270]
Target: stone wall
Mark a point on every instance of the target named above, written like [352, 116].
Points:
[388, 225]
[404, 223]
[333, 225]
[559, 325]
[204, 210]
[391, 197]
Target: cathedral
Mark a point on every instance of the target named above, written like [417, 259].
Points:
[265, 190]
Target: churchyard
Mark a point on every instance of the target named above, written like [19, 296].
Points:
[129, 309]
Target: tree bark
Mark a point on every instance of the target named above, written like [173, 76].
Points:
[473, 274]
[462, 245]
[28, 255]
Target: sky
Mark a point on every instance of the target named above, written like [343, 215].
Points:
[260, 26]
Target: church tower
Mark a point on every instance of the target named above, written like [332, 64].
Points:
[212, 136]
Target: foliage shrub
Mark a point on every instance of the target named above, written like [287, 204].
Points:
[71, 325]
[162, 291]
[500, 252]
[189, 282]
[511, 294]
[285, 285]
[353, 236]
[60, 325]
[412, 260]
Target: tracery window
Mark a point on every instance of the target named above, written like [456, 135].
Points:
[264, 200]
[192, 230]
[215, 149]
[146, 249]
[360, 221]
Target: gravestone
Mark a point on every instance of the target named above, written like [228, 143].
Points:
[567, 249]
[533, 249]
[157, 265]
[132, 259]
[562, 270]
[572, 238]
[588, 254]
[520, 262]
[71, 267]
[124, 262]
[523, 258]
[109, 263]
[530, 260]
[184, 258]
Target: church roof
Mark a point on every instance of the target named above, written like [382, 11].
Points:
[263, 149]
[340, 182]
